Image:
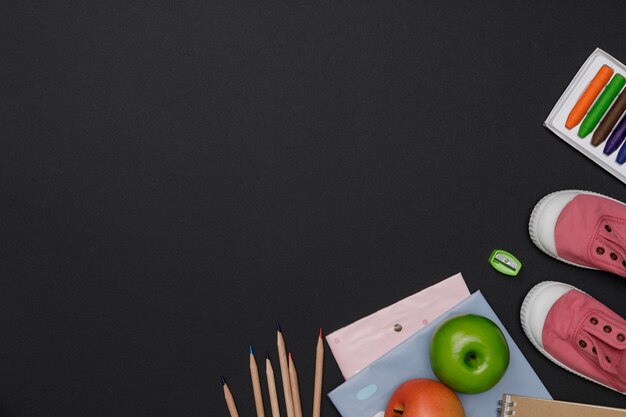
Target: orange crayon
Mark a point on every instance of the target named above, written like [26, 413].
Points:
[588, 97]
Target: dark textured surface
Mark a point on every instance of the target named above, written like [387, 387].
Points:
[176, 178]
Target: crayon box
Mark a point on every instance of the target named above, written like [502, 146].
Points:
[590, 114]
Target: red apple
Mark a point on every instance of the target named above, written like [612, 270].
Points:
[424, 398]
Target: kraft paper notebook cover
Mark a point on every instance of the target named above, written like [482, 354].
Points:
[366, 393]
[516, 405]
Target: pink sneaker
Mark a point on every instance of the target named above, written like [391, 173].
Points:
[577, 332]
[581, 228]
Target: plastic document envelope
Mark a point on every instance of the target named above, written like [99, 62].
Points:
[366, 393]
[359, 344]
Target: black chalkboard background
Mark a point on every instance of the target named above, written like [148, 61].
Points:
[177, 177]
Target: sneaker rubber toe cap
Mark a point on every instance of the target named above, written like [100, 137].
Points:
[537, 305]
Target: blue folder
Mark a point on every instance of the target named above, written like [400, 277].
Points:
[366, 393]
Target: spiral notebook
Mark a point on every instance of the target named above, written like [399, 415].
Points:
[518, 406]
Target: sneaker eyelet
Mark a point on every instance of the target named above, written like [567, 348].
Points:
[607, 359]
[607, 329]
[621, 337]
[600, 250]
[607, 228]
[593, 321]
[613, 256]
[582, 344]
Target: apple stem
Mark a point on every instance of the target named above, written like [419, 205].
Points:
[398, 412]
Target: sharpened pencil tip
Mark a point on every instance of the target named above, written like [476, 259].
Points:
[251, 351]
[223, 380]
[267, 355]
[321, 333]
[290, 357]
[278, 328]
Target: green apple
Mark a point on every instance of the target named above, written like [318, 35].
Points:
[469, 353]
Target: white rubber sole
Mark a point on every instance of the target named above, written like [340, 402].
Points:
[537, 212]
[526, 305]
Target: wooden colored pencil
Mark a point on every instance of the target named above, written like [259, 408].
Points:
[256, 385]
[284, 371]
[230, 401]
[319, 372]
[295, 388]
[271, 386]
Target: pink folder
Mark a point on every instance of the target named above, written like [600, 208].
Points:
[359, 344]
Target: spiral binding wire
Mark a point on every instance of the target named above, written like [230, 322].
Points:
[505, 408]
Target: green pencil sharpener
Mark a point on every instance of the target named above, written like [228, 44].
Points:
[505, 263]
